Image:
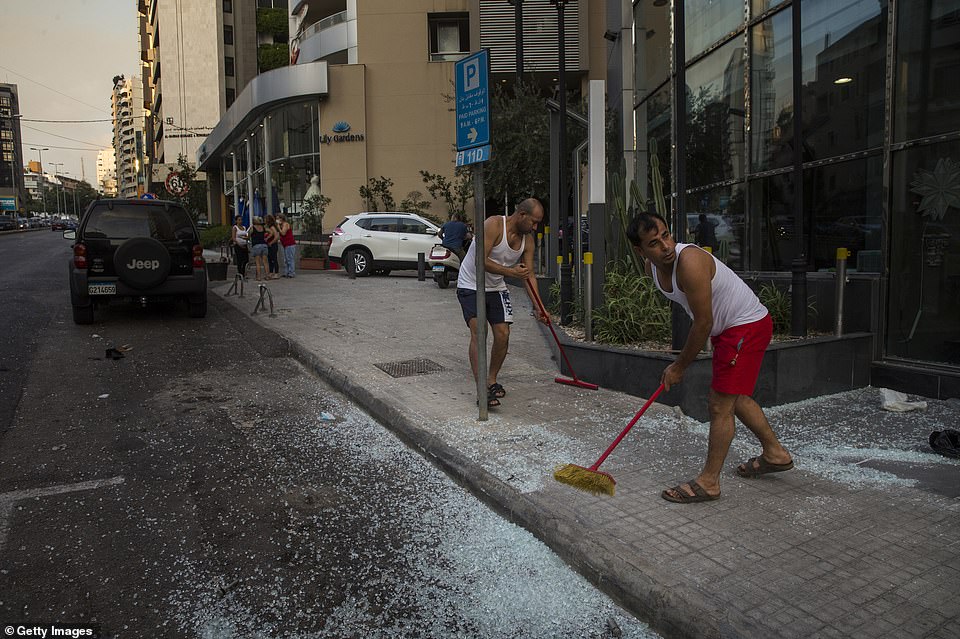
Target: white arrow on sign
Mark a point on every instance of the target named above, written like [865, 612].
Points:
[472, 136]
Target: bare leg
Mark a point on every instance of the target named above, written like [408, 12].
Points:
[473, 347]
[501, 339]
[721, 406]
[750, 413]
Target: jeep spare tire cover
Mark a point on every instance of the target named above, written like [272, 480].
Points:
[142, 262]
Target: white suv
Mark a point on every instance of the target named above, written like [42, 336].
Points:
[379, 242]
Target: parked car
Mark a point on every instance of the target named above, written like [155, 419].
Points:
[144, 250]
[380, 242]
[7, 223]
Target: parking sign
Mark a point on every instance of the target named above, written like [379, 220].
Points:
[473, 101]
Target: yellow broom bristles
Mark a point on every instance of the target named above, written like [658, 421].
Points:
[591, 481]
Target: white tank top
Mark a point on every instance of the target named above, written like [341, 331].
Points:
[734, 304]
[501, 254]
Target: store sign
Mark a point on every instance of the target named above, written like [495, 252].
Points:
[8, 203]
[341, 133]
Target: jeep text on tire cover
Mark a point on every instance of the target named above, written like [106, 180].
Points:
[144, 264]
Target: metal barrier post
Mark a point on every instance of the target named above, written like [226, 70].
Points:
[421, 267]
[351, 265]
[237, 287]
[588, 296]
[842, 255]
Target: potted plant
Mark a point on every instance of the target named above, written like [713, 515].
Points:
[313, 255]
[216, 237]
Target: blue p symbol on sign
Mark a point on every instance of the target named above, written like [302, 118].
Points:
[471, 75]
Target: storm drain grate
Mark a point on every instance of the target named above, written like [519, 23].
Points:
[409, 367]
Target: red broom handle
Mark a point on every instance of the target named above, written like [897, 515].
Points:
[536, 298]
[627, 429]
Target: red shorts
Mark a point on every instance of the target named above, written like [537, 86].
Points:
[737, 355]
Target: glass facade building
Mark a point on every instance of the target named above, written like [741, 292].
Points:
[808, 126]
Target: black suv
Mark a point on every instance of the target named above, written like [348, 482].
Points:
[137, 250]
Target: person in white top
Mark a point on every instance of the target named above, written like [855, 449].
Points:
[723, 308]
[507, 252]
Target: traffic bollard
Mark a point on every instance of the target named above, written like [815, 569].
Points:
[421, 267]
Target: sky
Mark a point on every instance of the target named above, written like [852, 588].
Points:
[62, 55]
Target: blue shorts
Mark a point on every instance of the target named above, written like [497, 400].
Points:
[258, 249]
[499, 306]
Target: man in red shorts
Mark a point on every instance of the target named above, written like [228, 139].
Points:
[724, 308]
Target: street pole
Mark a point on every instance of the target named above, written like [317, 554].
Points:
[43, 193]
[60, 190]
[518, 30]
[566, 283]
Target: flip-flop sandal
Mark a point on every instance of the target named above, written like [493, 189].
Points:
[747, 470]
[492, 401]
[680, 496]
[496, 390]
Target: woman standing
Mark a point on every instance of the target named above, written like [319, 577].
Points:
[289, 246]
[238, 237]
[273, 247]
[258, 247]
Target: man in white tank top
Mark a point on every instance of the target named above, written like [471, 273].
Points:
[508, 251]
[723, 308]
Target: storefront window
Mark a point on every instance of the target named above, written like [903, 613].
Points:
[715, 218]
[772, 93]
[844, 71]
[927, 100]
[845, 201]
[923, 316]
[707, 22]
[651, 47]
[292, 179]
[715, 117]
[294, 130]
[653, 131]
[771, 214]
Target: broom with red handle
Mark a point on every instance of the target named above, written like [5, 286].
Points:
[590, 479]
[559, 380]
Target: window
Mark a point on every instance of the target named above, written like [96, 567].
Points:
[228, 66]
[231, 95]
[228, 6]
[707, 22]
[772, 93]
[410, 225]
[227, 34]
[449, 36]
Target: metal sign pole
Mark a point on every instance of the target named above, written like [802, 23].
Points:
[479, 218]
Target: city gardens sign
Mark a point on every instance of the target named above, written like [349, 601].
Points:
[341, 134]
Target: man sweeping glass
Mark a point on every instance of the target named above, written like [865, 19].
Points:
[724, 309]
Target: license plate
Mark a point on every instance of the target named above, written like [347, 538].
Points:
[439, 267]
[101, 289]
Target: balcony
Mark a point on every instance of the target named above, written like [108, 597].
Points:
[325, 38]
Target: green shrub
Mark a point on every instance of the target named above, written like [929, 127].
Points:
[633, 311]
[272, 56]
[553, 305]
[780, 305]
[213, 237]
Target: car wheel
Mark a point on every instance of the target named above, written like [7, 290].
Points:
[83, 314]
[361, 261]
[443, 279]
[142, 262]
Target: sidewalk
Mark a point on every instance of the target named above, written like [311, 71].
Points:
[861, 540]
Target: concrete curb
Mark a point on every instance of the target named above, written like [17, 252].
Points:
[671, 608]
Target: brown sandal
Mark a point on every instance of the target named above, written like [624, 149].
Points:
[680, 496]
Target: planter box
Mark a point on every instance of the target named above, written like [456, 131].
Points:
[217, 271]
[313, 263]
[791, 371]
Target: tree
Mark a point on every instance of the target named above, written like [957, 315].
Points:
[414, 203]
[378, 188]
[455, 193]
[194, 198]
[313, 209]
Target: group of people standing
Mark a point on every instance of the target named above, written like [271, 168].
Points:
[262, 240]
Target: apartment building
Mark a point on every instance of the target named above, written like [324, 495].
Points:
[128, 136]
[367, 96]
[107, 172]
[12, 193]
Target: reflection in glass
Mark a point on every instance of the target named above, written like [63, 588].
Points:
[294, 130]
[651, 46]
[845, 202]
[923, 317]
[715, 116]
[844, 71]
[707, 22]
[771, 204]
[927, 100]
[772, 93]
[722, 224]
[653, 141]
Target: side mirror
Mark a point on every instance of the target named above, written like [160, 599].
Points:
[70, 234]
[431, 231]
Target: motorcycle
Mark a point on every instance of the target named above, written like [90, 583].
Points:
[444, 264]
